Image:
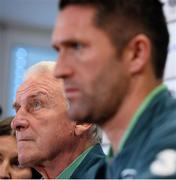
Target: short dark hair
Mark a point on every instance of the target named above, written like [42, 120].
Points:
[123, 19]
[5, 128]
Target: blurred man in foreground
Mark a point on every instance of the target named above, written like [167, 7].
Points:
[112, 55]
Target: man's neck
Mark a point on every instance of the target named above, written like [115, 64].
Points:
[118, 124]
[51, 169]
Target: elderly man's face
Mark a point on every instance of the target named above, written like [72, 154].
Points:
[42, 127]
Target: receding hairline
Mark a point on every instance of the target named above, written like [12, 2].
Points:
[43, 67]
[41, 71]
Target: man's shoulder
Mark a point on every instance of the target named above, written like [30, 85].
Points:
[163, 109]
[153, 137]
[94, 156]
[93, 163]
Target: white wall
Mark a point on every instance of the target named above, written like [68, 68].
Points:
[2, 69]
[170, 70]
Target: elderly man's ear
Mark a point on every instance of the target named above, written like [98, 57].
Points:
[81, 128]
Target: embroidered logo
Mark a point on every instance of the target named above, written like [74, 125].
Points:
[165, 163]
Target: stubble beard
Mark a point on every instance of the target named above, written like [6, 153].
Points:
[90, 110]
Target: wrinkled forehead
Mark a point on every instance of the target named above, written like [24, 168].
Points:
[38, 87]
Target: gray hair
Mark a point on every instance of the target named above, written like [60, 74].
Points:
[40, 68]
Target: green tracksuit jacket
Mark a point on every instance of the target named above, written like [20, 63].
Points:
[148, 150]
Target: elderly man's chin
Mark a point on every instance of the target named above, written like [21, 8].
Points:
[24, 161]
[28, 162]
[27, 159]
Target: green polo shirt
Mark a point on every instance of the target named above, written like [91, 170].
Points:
[67, 172]
[138, 113]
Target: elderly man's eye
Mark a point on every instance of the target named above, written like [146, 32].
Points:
[37, 105]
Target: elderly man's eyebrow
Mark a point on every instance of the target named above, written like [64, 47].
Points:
[16, 105]
[37, 95]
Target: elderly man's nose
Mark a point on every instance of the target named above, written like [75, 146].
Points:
[19, 123]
